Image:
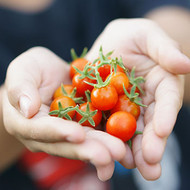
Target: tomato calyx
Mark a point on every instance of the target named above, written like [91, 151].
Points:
[72, 95]
[118, 62]
[100, 83]
[134, 96]
[136, 81]
[74, 56]
[87, 115]
[87, 72]
[62, 112]
[114, 62]
[103, 60]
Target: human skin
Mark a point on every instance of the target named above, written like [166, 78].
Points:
[103, 144]
[31, 91]
[175, 21]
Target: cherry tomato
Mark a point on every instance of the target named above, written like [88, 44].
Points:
[97, 117]
[124, 104]
[104, 70]
[119, 79]
[79, 63]
[65, 102]
[58, 92]
[81, 85]
[122, 125]
[104, 98]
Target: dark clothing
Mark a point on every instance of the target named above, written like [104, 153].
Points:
[64, 25]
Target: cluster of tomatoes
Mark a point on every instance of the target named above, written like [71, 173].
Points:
[103, 93]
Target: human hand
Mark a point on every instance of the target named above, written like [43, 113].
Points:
[31, 81]
[141, 43]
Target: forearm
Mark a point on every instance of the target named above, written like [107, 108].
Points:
[175, 21]
[10, 148]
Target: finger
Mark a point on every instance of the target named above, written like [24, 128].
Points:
[148, 171]
[105, 172]
[151, 140]
[41, 127]
[168, 104]
[36, 67]
[115, 146]
[161, 114]
[166, 91]
[153, 146]
[118, 150]
[158, 43]
[128, 160]
[90, 150]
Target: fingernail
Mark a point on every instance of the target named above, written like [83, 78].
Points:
[24, 104]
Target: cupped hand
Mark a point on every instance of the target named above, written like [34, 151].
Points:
[141, 43]
[31, 81]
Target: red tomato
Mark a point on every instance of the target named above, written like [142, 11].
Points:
[58, 92]
[79, 63]
[104, 70]
[81, 85]
[97, 117]
[119, 79]
[124, 104]
[65, 102]
[122, 125]
[104, 98]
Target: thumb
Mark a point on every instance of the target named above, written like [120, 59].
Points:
[24, 96]
[22, 86]
[29, 79]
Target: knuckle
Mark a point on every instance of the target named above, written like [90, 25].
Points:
[114, 24]
[37, 49]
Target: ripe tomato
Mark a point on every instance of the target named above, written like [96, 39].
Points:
[105, 70]
[97, 117]
[58, 92]
[81, 85]
[65, 102]
[79, 63]
[119, 79]
[124, 104]
[104, 98]
[122, 125]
